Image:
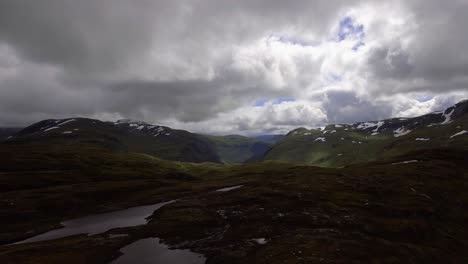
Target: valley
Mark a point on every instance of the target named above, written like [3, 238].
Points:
[399, 198]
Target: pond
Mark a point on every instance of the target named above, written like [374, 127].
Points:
[99, 223]
[152, 251]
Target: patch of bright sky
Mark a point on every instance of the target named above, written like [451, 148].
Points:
[334, 78]
[424, 98]
[349, 29]
[279, 100]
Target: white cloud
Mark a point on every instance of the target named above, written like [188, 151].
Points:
[253, 120]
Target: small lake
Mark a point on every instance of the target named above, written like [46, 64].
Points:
[151, 251]
[99, 223]
[143, 251]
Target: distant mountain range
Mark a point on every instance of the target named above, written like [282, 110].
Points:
[334, 145]
[123, 135]
[344, 144]
[240, 149]
[137, 136]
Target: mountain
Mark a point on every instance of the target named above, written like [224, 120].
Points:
[344, 144]
[123, 135]
[238, 149]
[271, 139]
[408, 203]
[6, 132]
[334, 145]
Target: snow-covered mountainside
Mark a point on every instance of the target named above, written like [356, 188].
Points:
[344, 144]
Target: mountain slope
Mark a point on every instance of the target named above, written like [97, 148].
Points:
[6, 132]
[381, 212]
[270, 139]
[238, 149]
[125, 135]
[342, 144]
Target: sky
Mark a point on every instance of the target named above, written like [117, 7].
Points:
[231, 67]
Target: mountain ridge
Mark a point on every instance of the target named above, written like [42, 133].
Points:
[301, 145]
[135, 136]
[327, 146]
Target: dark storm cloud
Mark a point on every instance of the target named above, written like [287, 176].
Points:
[437, 52]
[345, 106]
[78, 35]
[390, 63]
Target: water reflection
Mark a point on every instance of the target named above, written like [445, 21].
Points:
[151, 251]
[100, 223]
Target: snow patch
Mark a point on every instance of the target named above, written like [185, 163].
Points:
[68, 121]
[448, 117]
[459, 133]
[405, 162]
[159, 129]
[67, 132]
[379, 124]
[51, 128]
[422, 139]
[366, 125]
[320, 139]
[227, 189]
[401, 132]
[117, 235]
[260, 241]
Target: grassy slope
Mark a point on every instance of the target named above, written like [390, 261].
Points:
[235, 148]
[367, 212]
[302, 149]
[177, 145]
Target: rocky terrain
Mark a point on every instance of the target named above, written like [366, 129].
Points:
[397, 194]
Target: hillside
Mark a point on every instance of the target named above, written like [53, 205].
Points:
[239, 149]
[344, 144]
[6, 132]
[123, 135]
[401, 196]
[388, 211]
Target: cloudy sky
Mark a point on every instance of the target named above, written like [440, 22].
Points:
[222, 66]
